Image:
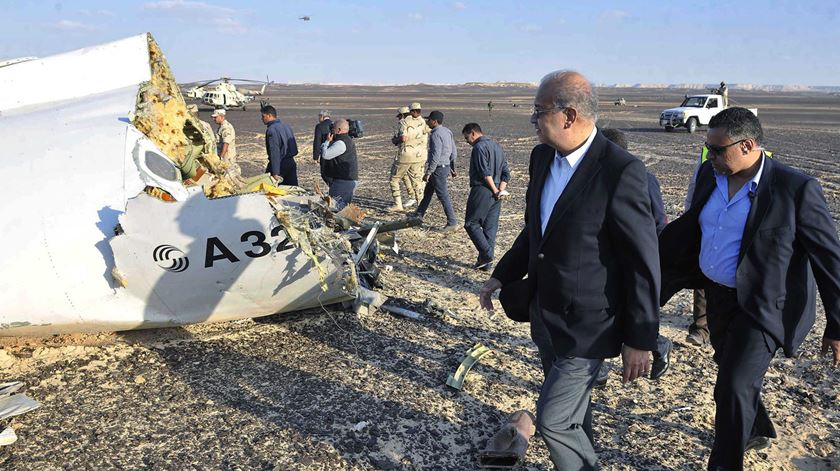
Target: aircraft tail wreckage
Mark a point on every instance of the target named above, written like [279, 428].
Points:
[118, 214]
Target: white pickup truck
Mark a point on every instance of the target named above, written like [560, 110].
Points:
[695, 110]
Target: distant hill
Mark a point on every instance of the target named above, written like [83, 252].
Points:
[732, 86]
[501, 84]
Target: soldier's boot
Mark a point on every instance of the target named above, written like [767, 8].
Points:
[397, 207]
[507, 448]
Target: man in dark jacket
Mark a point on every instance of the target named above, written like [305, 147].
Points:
[322, 129]
[756, 238]
[281, 147]
[489, 176]
[340, 164]
[589, 251]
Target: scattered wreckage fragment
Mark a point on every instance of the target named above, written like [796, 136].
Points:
[151, 227]
[473, 356]
[12, 404]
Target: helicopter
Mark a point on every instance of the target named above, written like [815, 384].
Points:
[225, 94]
[305, 18]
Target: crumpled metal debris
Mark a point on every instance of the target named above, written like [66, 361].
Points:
[161, 114]
[12, 404]
[309, 233]
[17, 404]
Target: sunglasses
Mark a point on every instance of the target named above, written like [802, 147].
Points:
[719, 150]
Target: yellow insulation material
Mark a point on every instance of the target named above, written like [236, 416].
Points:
[161, 114]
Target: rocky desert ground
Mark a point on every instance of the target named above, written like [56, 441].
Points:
[327, 389]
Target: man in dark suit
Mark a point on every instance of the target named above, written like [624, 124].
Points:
[322, 130]
[589, 250]
[757, 236]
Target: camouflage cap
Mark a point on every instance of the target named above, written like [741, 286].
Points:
[219, 112]
[415, 106]
[403, 110]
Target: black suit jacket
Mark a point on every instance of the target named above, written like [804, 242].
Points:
[595, 272]
[789, 240]
[322, 130]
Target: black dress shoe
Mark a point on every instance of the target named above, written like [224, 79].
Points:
[661, 363]
[758, 443]
[483, 263]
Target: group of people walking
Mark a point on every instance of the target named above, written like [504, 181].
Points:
[427, 156]
[596, 257]
[757, 238]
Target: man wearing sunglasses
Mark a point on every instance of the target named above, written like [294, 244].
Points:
[589, 251]
[757, 236]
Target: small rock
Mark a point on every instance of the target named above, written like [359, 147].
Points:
[139, 379]
[360, 426]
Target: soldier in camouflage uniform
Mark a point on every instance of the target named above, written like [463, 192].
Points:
[413, 140]
[226, 142]
[396, 139]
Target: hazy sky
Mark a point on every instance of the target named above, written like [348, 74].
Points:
[386, 42]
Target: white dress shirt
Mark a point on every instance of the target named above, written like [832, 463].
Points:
[560, 172]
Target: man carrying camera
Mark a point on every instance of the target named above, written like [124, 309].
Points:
[341, 168]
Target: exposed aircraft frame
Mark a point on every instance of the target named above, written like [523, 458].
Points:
[87, 249]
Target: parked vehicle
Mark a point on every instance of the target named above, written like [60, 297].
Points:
[695, 110]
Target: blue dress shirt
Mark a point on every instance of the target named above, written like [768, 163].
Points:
[722, 224]
[560, 172]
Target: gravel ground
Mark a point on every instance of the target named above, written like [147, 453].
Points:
[329, 389]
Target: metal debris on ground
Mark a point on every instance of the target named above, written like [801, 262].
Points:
[433, 308]
[473, 356]
[402, 312]
[7, 436]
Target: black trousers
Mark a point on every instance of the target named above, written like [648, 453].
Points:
[743, 352]
[288, 171]
[482, 220]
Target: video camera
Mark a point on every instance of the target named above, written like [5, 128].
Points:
[357, 129]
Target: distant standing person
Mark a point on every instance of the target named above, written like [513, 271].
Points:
[321, 131]
[490, 107]
[281, 147]
[489, 175]
[226, 137]
[340, 164]
[439, 167]
[724, 90]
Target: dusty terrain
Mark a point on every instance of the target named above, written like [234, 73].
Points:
[328, 389]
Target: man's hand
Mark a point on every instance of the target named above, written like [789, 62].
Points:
[834, 346]
[453, 172]
[636, 363]
[486, 293]
[330, 137]
[426, 177]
